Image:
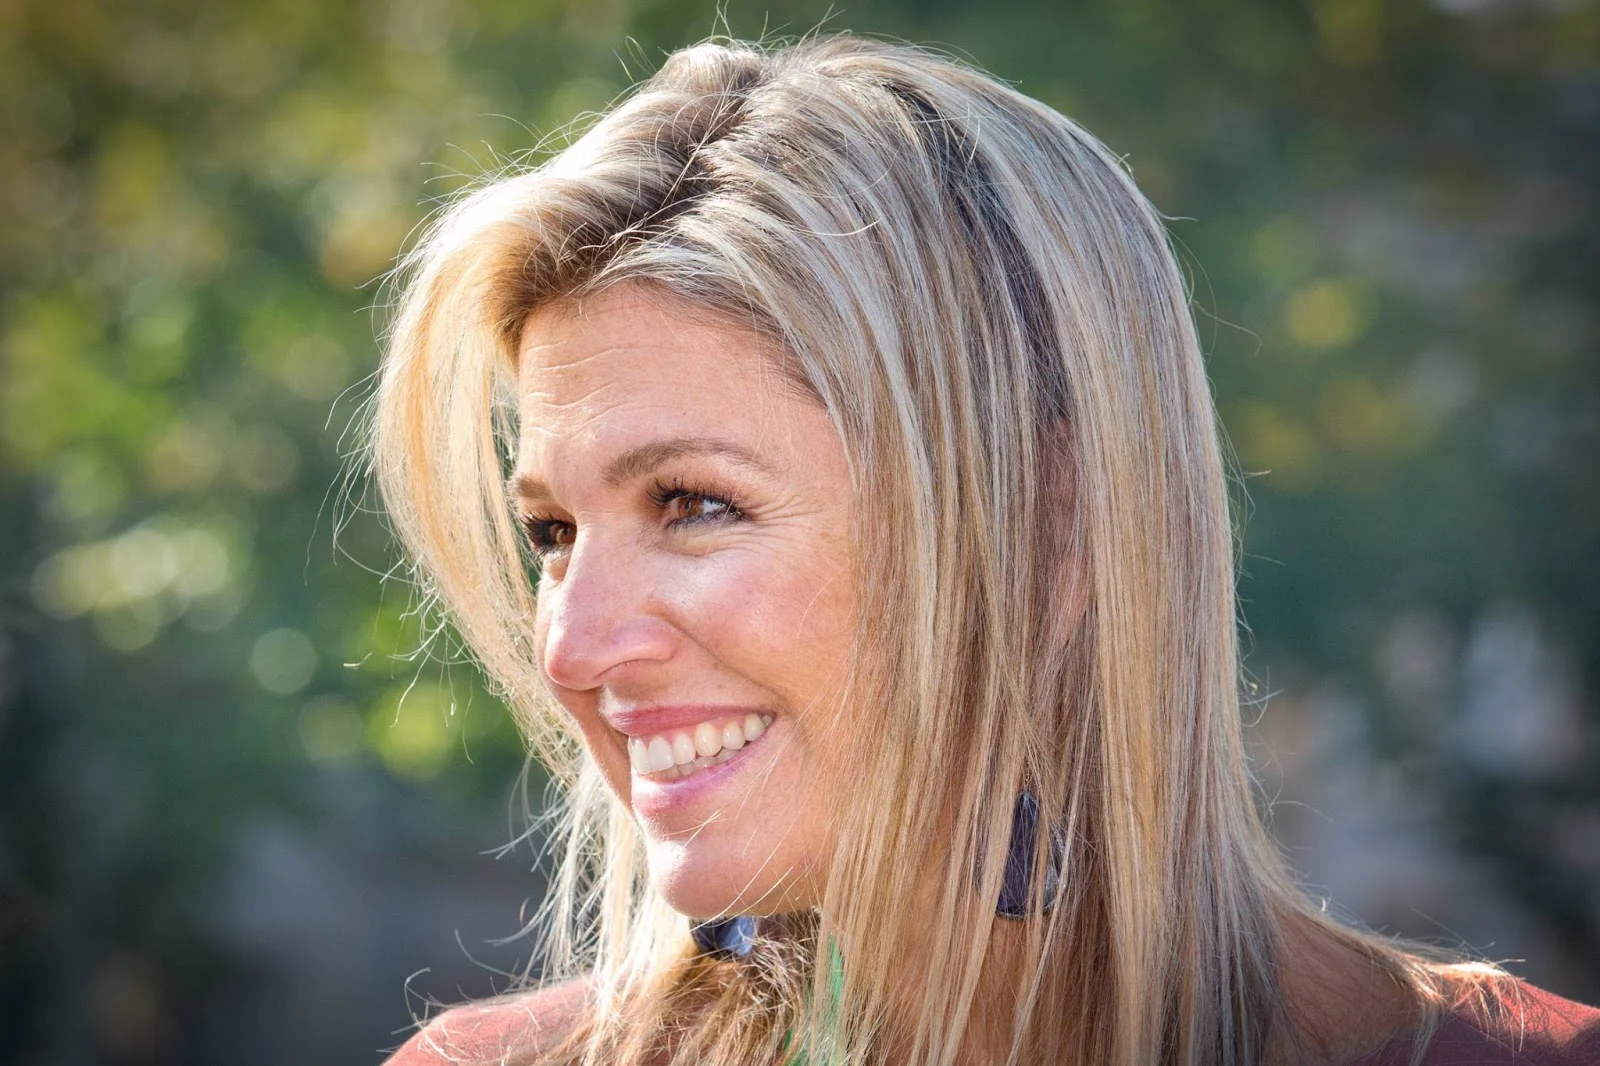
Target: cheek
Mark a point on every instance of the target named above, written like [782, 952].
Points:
[782, 622]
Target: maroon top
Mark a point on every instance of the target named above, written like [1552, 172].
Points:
[1530, 1027]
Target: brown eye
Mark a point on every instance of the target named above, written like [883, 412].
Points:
[682, 505]
[548, 535]
[694, 508]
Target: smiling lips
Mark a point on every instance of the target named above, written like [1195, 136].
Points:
[680, 753]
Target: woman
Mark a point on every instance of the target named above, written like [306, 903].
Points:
[883, 641]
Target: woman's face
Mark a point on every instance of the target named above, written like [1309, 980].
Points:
[691, 508]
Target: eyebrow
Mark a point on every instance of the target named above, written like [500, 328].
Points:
[643, 458]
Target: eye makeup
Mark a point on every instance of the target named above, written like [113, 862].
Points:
[681, 504]
[689, 505]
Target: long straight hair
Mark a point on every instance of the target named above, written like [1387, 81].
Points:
[990, 311]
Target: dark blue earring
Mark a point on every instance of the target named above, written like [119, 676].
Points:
[1018, 879]
[726, 938]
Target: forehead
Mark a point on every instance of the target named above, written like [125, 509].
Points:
[629, 335]
[621, 367]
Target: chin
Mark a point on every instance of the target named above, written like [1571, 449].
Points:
[704, 879]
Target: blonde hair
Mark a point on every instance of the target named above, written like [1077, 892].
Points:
[990, 312]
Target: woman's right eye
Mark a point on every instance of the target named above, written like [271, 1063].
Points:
[547, 536]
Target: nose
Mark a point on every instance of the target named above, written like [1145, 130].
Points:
[600, 618]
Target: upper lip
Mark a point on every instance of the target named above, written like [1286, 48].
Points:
[647, 721]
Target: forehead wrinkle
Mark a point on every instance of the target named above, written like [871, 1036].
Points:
[556, 370]
[563, 375]
[551, 401]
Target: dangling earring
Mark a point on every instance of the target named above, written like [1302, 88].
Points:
[726, 938]
[1018, 878]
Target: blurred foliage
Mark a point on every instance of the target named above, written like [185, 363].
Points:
[1388, 209]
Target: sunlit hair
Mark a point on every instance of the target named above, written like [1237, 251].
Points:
[990, 312]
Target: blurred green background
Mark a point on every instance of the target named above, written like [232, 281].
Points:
[242, 822]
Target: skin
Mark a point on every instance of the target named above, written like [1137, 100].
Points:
[738, 598]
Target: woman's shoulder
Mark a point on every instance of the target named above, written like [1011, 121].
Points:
[1520, 1025]
[494, 1030]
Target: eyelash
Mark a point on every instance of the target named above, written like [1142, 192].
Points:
[541, 531]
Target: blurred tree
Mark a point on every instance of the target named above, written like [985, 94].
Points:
[1390, 215]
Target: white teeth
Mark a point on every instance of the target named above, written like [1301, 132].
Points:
[681, 753]
[682, 749]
